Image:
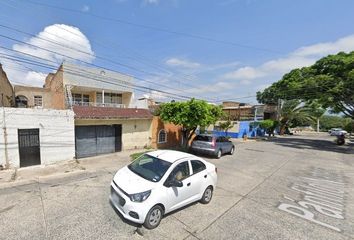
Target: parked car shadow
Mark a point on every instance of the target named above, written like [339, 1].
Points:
[140, 225]
[314, 144]
[122, 218]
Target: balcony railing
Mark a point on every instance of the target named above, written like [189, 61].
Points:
[95, 104]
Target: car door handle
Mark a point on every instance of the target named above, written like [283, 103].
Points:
[188, 184]
[205, 176]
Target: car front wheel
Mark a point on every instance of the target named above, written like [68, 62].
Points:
[232, 150]
[207, 195]
[153, 218]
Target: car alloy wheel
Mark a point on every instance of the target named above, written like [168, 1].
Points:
[207, 195]
[218, 154]
[153, 218]
[232, 150]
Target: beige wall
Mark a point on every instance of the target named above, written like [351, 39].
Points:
[30, 92]
[6, 90]
[135, 133]
[235, 126]
[126, 98]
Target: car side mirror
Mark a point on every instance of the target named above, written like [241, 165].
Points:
[174, 183]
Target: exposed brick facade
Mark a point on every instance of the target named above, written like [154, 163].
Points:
[6, 90]
[173, 137]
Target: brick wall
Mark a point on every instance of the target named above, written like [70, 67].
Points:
[173, 134]
[6, 90]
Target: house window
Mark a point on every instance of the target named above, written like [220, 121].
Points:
[81, 99]
[162, 138]
[109, 98]
[113, 98]
[38, 101]
[21, 101]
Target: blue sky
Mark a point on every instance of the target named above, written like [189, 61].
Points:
[252, 42]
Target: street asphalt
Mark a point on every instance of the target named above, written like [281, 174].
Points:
[294, 187]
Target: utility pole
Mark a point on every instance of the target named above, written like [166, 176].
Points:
[7, 165]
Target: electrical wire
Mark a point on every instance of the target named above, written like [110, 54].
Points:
[189, 35]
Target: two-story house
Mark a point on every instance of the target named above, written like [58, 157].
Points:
[106, 121]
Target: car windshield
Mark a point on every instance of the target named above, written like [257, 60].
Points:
[150, 168]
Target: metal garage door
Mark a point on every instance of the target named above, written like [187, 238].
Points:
[96, 140]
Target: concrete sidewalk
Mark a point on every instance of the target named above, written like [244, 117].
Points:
[27, 175]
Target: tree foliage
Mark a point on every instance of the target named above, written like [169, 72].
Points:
[330, 82]
[269, 125]
[330, 121]
[190, 115]
[226, 125]
[294, 112]
[349, 126]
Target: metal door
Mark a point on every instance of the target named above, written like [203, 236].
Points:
[29, 147]
[85, 141]
[106, 140]
[118, 133]
[98, 139]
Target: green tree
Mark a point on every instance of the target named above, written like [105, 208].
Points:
[329, 82]
[315, 111]
[268, 125]
[293, 111]
[226, 126]
[349, 125]
[330, 121]
[190, 115]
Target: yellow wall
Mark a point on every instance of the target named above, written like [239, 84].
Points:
[30, 92]
[135, 133]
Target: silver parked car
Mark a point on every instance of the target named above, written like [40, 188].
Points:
[212, 145]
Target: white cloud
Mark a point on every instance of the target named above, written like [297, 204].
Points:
[157, 96]
[85, 8]
[68, 39]
[35, 78]
[345, 44]
[155, 2]
[217, 87]
[176, 62]
[301, 57]
[244, 73]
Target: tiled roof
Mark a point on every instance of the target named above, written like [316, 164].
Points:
[84, 112]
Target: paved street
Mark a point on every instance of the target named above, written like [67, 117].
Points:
[295, 187]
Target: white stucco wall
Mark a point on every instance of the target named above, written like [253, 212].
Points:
[96, 78]
[56, 133]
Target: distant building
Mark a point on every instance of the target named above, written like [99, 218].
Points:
[236, 111]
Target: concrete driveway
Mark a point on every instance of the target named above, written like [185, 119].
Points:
[296, 187]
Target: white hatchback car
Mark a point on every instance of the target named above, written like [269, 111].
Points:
[159, 182]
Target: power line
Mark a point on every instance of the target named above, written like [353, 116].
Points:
[108, 60]
[138, 60]
[189, 35]
[100, 67]
[90, 75]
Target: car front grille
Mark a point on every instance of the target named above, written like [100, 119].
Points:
[116, 197]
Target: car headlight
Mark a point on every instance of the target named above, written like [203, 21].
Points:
[140, 197]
